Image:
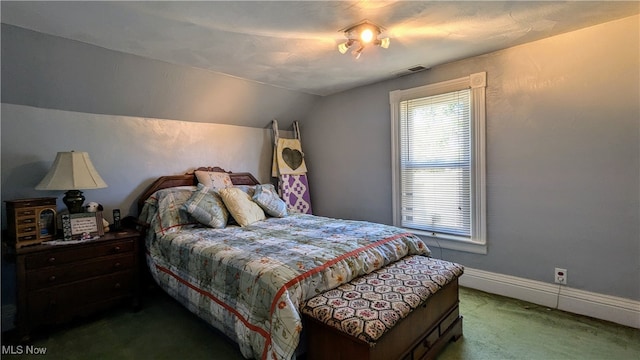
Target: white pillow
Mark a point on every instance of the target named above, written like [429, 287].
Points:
[213, 179]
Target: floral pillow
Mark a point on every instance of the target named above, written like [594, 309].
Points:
[206, 206]
[171, 212]
[213, 179]
[240, 206]
[267, 198]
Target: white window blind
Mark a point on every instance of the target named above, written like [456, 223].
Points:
[436, 163]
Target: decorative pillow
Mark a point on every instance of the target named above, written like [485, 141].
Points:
[213, 179]
[206, 206]
[170, 208]
[268, 199]
[240, 206]
[250, 190]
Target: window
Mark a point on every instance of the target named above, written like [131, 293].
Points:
[438, 153]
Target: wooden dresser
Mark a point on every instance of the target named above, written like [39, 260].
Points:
[56, 283]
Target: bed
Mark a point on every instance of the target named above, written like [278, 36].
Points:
[250, 281]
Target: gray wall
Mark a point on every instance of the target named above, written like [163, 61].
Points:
[128, 152]
[563, 157]
[138, 118]
[51, 72]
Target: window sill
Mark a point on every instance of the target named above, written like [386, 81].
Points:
[451, 242]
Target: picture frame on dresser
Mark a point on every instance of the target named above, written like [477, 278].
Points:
[80, 226]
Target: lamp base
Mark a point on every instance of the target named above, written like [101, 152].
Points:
[74, 201]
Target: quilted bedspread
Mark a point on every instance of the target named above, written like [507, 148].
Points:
[249, 282]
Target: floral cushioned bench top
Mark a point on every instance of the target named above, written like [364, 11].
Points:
[369, 306]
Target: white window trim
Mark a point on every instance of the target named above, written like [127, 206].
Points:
[477, 83]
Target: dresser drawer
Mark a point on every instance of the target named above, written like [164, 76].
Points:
[25, 212]
[57, 303]
[426, 343]
[449, 320]
[64, 256]
[26, 236]
[28, 228]
[26, 221]
[57, 275]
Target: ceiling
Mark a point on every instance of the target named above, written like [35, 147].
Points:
[293, 44]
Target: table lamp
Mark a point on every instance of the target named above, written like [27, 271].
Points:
[72, 171]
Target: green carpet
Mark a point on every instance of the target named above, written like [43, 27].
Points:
[495, 327]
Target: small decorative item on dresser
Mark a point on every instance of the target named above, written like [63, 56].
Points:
[82, 226]
[31, 221]
[116, 219]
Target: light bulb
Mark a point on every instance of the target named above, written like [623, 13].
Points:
[343, 48]
[356, 53]
[366, 36]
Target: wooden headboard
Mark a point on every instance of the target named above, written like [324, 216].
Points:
[189, 179]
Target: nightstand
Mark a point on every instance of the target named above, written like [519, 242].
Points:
[56, 283]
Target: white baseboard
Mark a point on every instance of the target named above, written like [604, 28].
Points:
[610, 308]
[8, 317]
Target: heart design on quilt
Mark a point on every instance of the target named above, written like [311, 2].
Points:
[292, 157]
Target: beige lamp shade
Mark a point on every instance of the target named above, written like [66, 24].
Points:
[72, 170]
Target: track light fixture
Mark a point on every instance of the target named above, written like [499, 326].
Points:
[363, 34]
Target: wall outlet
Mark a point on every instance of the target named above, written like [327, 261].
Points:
[561, 276]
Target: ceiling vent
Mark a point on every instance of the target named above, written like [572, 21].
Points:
[411, 70]
[417, 68]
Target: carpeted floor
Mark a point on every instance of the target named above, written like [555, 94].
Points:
[497, 327]
[494, 328]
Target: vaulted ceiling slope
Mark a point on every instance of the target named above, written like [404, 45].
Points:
[292, 44]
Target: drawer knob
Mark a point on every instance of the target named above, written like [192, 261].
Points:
[117, 286]
[52, 259]
[117, 248]
[117, 265]
[52, 278]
